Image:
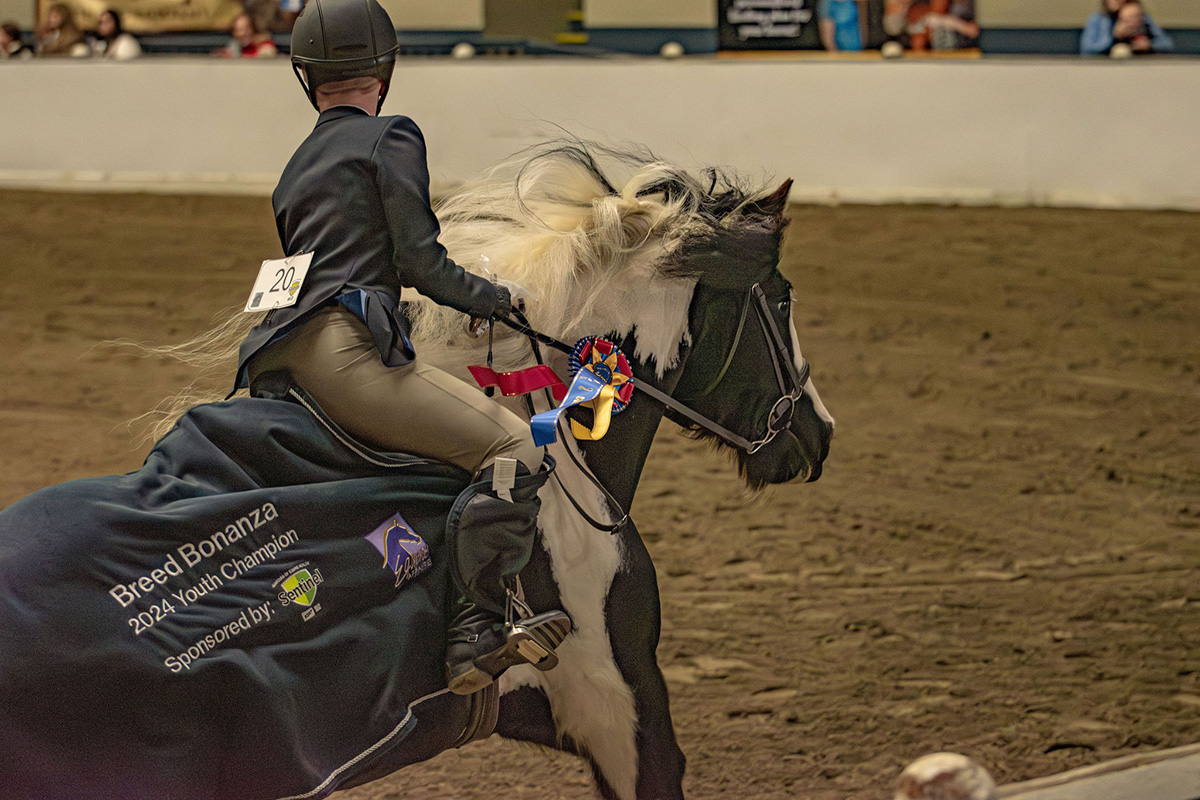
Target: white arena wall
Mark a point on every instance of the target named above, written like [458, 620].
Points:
[991, 131]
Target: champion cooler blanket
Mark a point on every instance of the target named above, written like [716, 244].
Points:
[249, 615]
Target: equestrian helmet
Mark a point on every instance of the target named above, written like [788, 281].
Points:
[335, 40]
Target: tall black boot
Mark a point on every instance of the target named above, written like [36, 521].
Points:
[491, 539]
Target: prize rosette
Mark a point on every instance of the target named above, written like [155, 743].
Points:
[601, 380]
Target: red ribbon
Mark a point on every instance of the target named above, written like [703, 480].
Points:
[522, 381]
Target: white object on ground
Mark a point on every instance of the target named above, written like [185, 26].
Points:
[671, 50]
[945, 776]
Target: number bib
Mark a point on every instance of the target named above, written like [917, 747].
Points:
[278, 282]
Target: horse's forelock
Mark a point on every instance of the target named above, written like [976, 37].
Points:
[731, 253]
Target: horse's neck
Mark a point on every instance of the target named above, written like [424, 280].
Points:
[617, 459]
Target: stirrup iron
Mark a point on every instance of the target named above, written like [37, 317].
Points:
[530, 640]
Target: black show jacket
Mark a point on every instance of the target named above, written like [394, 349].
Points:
[356, 195]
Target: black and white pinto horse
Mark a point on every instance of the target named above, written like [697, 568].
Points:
[683, 276]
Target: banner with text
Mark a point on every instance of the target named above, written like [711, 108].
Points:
[153, 16]
[767, 25]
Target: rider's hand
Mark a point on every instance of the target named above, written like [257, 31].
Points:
[479, 326]
[504, 302]
[519, 293]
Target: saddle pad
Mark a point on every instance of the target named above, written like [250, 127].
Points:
[243, 617]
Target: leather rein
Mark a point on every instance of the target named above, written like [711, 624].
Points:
[789, 378]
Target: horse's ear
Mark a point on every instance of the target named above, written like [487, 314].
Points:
[773, 205]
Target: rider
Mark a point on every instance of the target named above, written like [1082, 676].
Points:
[356, 195]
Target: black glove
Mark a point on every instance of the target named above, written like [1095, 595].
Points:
[503, 305]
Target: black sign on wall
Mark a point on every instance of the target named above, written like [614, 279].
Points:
[767, 25]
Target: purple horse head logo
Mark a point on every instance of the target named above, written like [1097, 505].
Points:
[404, 551]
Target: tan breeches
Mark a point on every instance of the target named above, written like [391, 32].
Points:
[414, 408]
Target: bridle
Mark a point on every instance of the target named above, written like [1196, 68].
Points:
[777, 421]
[786, 372]
[789, 378]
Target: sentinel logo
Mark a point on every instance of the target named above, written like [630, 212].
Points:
[299, 586]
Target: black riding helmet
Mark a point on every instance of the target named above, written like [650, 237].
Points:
[335, 40]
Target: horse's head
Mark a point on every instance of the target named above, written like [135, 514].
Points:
[683, 273]
[744, 369]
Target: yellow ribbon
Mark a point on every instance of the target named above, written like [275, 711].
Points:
[601, 406]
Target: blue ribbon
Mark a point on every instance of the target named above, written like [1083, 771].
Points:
[586, 386]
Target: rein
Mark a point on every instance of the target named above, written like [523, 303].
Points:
[781, 412]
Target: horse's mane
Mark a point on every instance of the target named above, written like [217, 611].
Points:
[600, 250]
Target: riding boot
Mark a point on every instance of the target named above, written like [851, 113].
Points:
[482, 645]
[491, 539]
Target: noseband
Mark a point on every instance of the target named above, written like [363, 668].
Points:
[783, 365]
[785, 368]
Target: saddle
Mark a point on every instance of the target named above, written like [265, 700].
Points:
[258, 612]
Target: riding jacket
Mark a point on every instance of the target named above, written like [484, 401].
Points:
[356, 195]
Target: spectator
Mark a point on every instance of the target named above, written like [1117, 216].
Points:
[916, 13]
[951, 24]
[895, 19]
[1098, 34]
[111, 39]
[59, 36]
[11, 45]
[839, 25]
[1135, 29]
[872, 24]
[248, 41]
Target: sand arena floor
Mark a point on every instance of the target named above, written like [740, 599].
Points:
[1002, 558]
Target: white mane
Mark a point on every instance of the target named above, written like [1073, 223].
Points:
[593, 256]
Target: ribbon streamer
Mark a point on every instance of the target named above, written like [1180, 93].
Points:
[603, 382]
[522, 381]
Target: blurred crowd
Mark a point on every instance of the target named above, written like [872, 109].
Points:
[59, 34]
[1120, 28]
[897, 25]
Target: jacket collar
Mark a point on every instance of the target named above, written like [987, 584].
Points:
[340, 112]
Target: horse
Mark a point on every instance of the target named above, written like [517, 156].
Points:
[683, 277]
[552, 219]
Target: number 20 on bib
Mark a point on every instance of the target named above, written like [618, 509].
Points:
[278, 282]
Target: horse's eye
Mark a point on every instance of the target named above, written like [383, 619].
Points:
[785, 304]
